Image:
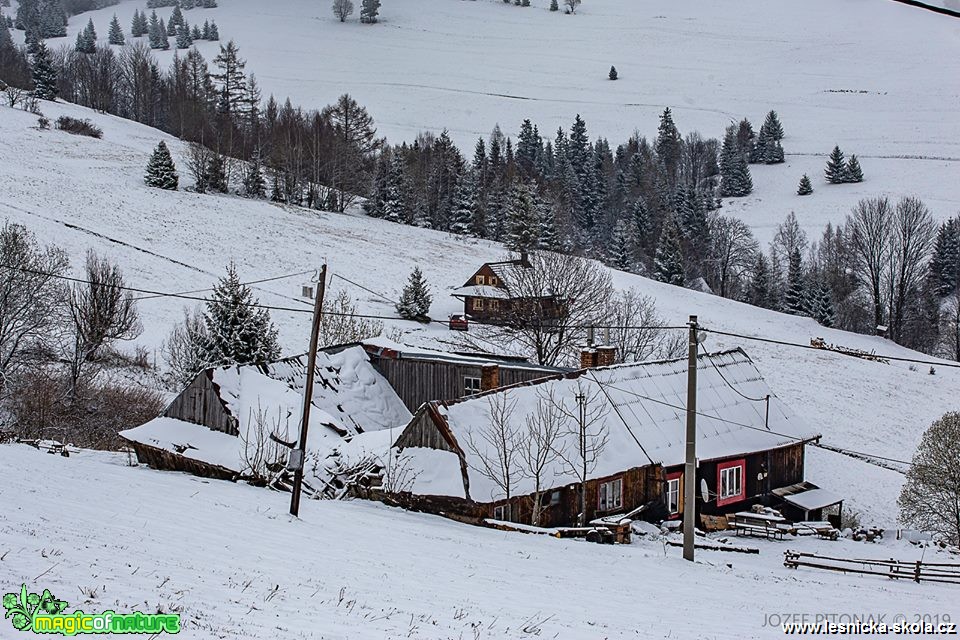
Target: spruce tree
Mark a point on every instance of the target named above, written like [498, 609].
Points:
[139, 27]
[176, 17]
[195, 33]
[161, 172]
[395, 202]
[116, 32]
[759, 291]
[735, 180]
[945, 261]
[216, 174]
[774, 152]
[620, 253]
[184, 41]
[370, 11]
[548, 235]
[668, 263]
[238, 331]
[773, 126]
[853, 173]
[613, 75]
[87, 39]
[795, 299]
[820, 306]
[523, 218]
[669, 143]
[836, 171]
[254, 186]
[805, 187]
[554, 6]
[461, 214]
[43, 74]
[214, 31]
[158, 33]
[415, 300]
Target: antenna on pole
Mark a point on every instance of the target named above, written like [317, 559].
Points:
[690, 468]
[297, 455]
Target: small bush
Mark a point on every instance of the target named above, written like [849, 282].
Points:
[79, 127]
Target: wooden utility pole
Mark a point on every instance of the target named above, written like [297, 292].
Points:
[690, 469]
[298, 455]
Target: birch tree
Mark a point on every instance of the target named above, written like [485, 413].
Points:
[540, 446]
[585, 433]
[496, 446]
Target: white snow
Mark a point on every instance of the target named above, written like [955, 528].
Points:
[814, 499]
[229, 559]
[873, 76]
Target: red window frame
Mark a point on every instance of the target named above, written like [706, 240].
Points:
[730, 464]
[678, 476]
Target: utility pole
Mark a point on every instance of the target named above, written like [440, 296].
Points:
[690, 469]
[297, 455]
[582, 426]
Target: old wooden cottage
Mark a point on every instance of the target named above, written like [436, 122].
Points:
[749, 443]
[505, 293]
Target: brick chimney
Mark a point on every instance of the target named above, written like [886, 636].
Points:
[606, 356]
[489, 377]
[588, 357]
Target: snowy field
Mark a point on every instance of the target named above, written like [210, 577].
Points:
[874, 76]
[83, 193]
[233, 564]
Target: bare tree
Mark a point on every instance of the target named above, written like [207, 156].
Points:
[558, 296]
[342, 9]
[354, 143]
[868, 228]
[198, 163]
[185, 349]
[32, 298]
[734, 252]
[912, 233]
[572, 5]
[339, 323]
[636, 330]
[496, 445]
[262, 455]
[789, 237]
[930, 499]
[950, 327]
[539, 446]
[585, 431]
[101, 313]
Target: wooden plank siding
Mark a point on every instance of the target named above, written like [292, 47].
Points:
[200, 403]
[417, 381]
[168, 461]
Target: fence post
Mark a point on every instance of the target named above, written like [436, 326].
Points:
[916, 573]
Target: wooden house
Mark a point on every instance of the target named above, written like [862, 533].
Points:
[495, 294]
[746, 448]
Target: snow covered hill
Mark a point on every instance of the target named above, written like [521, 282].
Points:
[875, 77]
[231, 561]
[84, 193]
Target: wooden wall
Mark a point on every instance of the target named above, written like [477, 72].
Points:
[419, 381]
[200, 404]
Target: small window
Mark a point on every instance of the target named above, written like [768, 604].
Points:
[554, 498]
[611, 495]
[478, 304]
[481, 279]
[308, 292]
[494, 305]
[502, 512]
[471, 386]
[673, 496]
[731, 483]
[493, 281]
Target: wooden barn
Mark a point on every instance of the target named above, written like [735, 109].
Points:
[749, 442]
[494, 295]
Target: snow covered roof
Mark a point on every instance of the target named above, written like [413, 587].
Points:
[480, 291]
[507, 269]
[642, 408]
[813, 499]
[349, 397]
[382, 346]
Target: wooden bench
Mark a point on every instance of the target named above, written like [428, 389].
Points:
[760, 525]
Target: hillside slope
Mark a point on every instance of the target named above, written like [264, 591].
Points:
[869, 75]
[231, 561]
[84, 193]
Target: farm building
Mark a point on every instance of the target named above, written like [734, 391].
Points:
[749, 443]
[221, 423]
[501, 293]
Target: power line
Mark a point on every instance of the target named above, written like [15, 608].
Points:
[251, 282]
[724, 378]
[796, 345]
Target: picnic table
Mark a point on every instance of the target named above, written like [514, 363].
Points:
[819, 528]
[760, 524]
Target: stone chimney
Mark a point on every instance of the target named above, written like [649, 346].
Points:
[489, 377]
[606, 356]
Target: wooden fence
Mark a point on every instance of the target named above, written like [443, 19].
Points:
[917, 571]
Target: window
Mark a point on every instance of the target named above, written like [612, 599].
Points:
[478, 304]
[493, 281]
[471, 385]
[673, 495]
[730, 481]
[481, 279]
[494, 305]
[611, 495]
[502, 512]
[308, 292]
